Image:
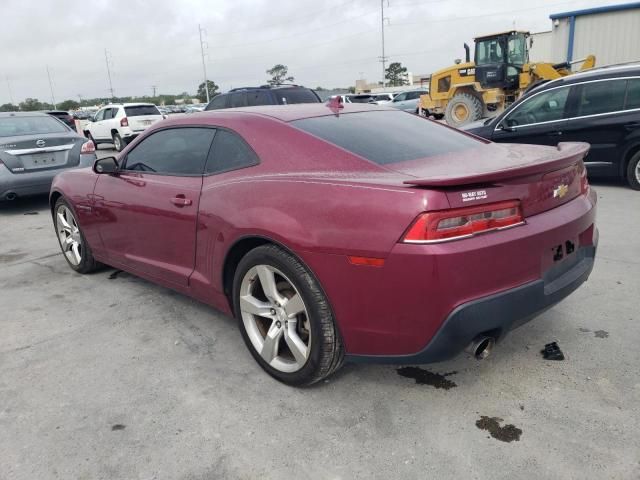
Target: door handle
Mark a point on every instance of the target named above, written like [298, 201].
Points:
[181, 201]
[554, 134]
[632, 125]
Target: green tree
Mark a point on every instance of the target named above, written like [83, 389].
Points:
[8, 107]
[202, 93]
[68, 105]
[396, 74]
[33, 104]
[279, 74]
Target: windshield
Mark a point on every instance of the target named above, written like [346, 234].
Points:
[517, 49]
[140, 110]
[16, 126]
[489, 51]
[387, 137]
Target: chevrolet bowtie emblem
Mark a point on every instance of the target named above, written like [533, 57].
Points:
[560, 191]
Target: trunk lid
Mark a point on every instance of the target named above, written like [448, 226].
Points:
[542, 178]
[32, 153]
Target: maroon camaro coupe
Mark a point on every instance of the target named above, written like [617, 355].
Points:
[331, 233]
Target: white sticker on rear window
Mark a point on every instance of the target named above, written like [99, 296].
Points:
[477, 195]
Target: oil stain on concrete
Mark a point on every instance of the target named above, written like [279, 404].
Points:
[425, 377]
[508, 433]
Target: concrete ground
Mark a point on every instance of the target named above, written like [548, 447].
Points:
[112, 377]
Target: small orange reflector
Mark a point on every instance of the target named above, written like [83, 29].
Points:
[367, 261]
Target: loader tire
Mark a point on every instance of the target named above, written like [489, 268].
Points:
[463, 108]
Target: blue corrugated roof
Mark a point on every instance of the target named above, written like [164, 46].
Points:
[590, 11]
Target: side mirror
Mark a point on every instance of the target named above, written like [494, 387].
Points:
[106, 165]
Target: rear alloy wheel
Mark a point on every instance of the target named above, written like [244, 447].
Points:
[118, 142]
[75, 249]
[463, 108]
[633, 172]
[285, 318]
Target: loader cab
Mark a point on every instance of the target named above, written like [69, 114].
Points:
[499, 59]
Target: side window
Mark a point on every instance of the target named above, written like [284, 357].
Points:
[258, 97]
[238, 99]
[229, 152]
[633, 94]
[176, 151]
[100, 115]
[218, 102]
[401, 97]
[601, 97]
[543, 107]
[109, 113]
[413, 95]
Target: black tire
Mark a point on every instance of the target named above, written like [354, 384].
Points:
[326, 353]
[118, 142]
[633, 172]
[87, 263]
[470, 103]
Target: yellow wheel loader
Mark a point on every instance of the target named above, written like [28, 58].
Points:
[499, 74]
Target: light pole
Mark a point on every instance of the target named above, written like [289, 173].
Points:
[204, 65]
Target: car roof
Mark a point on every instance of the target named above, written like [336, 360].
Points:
[298, 111]
[597, 73]
[23, 114]
[140, 104]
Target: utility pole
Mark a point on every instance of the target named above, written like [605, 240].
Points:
[53, 100]
[10, 92]
[106, 59]
[80, 97]
[153, 88]
[204, 65]
[383, 59]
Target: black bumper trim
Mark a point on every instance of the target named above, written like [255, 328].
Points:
[497, 314]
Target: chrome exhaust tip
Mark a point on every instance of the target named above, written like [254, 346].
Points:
[481, 347]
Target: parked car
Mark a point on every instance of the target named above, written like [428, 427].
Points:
[121, 123]
[34, 147]
[407, 101]
[355, 232]
[381, 98]
[599, 106]
[64, 117]
[264, 95]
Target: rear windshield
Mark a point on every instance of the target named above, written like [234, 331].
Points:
[141, 110]
[361, 98]
[387, 137]
[289, 96]
[15, 126]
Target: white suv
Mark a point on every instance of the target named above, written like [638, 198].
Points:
[121, 123]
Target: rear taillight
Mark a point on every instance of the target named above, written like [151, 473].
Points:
[465, 222]
[88, 147]
[124, 122]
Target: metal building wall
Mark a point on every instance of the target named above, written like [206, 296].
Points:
[559, 40]
[541, 50]
[612, 37]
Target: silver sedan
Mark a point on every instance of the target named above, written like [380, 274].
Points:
[34, 148]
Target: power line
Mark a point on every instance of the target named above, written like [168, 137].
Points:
[204, 66]
[106, 59]
[53, 100]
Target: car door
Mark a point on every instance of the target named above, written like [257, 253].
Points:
[147, 212]
[398, 101]
[539, 119]
[96, 125]
[600, 118]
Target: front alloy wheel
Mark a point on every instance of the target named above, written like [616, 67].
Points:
[285, 318]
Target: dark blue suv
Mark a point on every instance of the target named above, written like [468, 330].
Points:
[599, 106]
[264, 95]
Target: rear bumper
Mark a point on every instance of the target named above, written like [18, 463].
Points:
[497, 314]
[34, 183]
